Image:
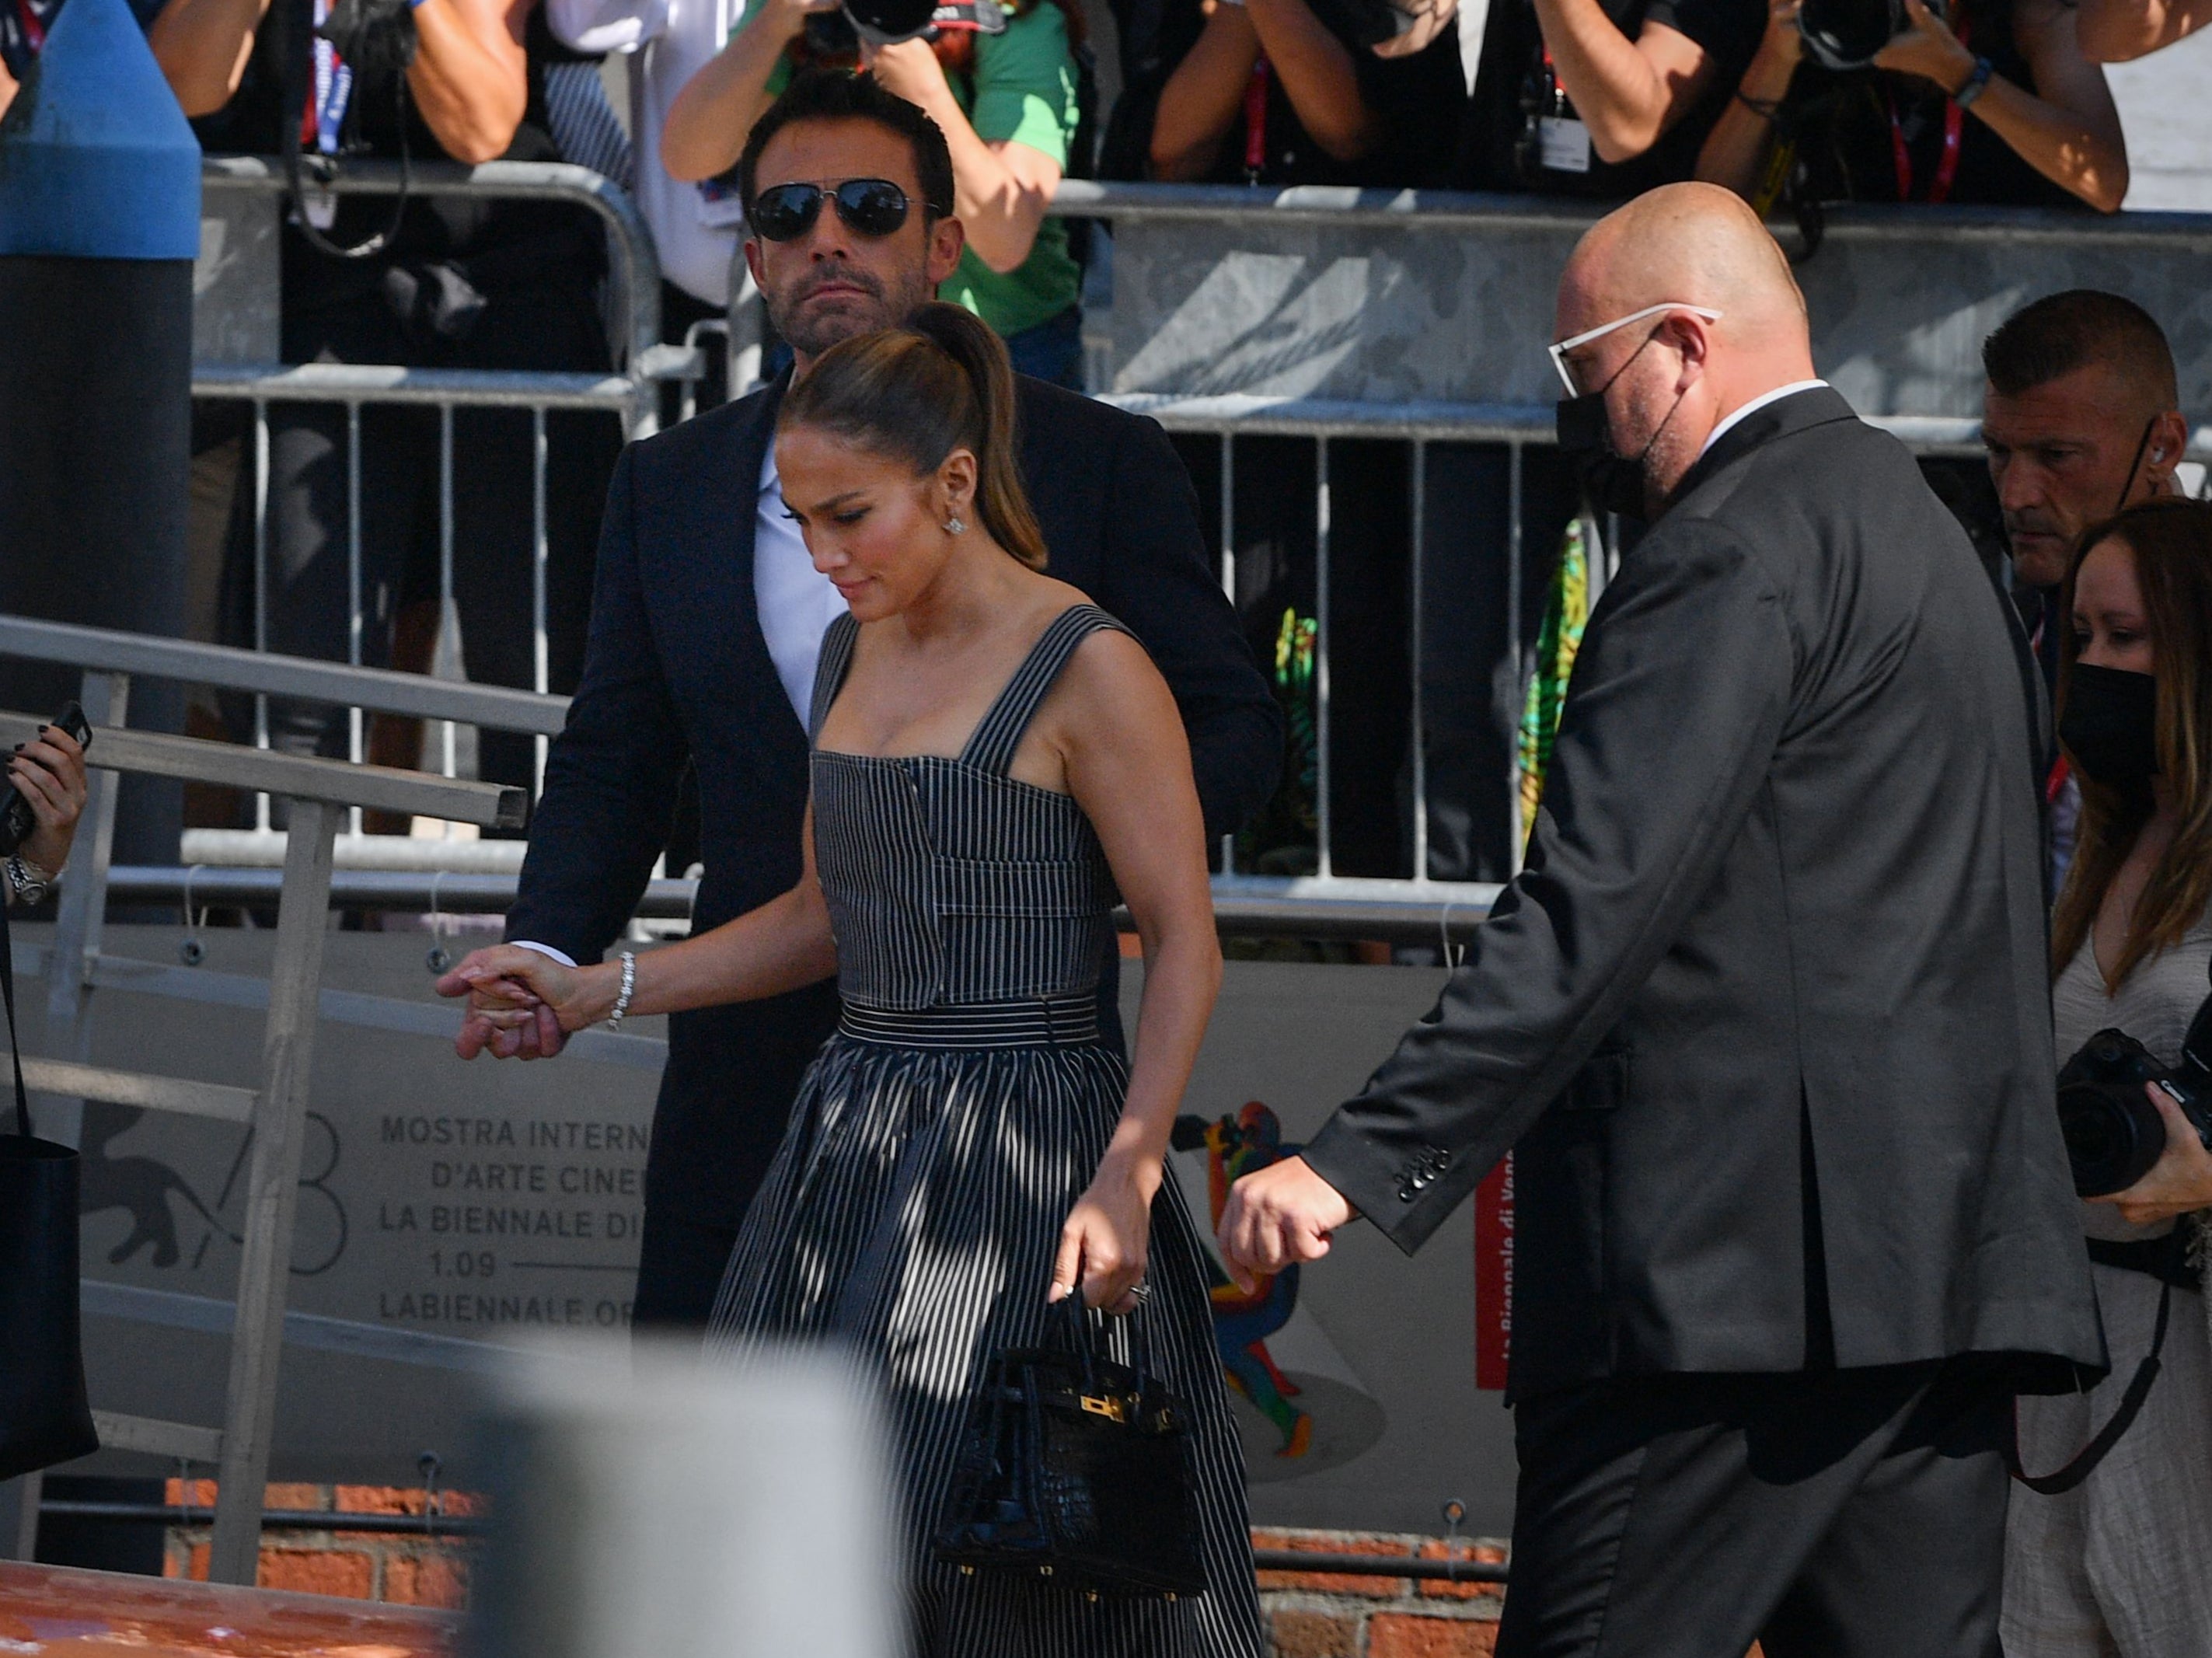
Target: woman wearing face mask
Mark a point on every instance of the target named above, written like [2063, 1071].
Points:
[2117, 1565]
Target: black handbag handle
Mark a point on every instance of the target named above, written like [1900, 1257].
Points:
[8, 996]
[1076, 1317]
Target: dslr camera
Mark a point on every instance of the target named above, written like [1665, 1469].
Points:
[2114, 1132]
[1844, 34]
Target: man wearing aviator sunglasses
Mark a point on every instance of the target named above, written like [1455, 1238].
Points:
[707, 620]
[1764, 1021]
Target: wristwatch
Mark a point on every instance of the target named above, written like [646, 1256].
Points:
[1976, 80]
[29, 880]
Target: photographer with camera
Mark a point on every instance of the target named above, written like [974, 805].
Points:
[1868, 101]
[470, 282]
[2116, 1565]
[1284, 92]
[1000, 82]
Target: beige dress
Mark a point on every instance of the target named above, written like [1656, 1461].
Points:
[2121, 1566]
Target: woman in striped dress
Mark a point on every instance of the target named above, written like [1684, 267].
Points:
[993, 759]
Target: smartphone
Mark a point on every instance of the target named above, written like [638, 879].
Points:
[18, 822]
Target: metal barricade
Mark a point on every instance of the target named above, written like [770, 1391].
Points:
[318, 791]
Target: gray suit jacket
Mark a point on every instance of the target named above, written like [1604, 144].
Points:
[1773, 989]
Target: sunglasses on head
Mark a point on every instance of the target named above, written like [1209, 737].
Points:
[874, 207]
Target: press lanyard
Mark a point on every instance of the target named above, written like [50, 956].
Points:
[1946, 166]
[34, 33]
[1256, 120]
[324, 115]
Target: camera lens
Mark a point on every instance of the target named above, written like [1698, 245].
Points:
[2113, 1135]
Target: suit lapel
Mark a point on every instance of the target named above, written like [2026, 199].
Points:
[1815, 406]
[754, 668]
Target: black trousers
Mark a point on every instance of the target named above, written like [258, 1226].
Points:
[679, 1269]
[1846, 1513]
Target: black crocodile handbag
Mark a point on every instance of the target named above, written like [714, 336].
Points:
[1076, 1470]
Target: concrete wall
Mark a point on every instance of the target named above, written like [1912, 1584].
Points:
[1453, 301]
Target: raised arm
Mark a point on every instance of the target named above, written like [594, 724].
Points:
[1628, 93]
[2065, 125]
[1737, 152]
[1009, 158]
[1129, 769]
[469, 77]
[714, 114]
[2118, 31]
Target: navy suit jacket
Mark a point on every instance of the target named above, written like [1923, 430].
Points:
[677, 673]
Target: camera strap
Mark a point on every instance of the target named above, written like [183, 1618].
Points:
[1256, 120]
[2131, 1402]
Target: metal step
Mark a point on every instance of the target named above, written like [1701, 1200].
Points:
[118, 1432]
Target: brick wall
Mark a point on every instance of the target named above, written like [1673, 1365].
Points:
[1309, 1615]
[1327, 1615]
[404, 1569]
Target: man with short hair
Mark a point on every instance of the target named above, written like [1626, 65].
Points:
[707, 621]
[2080, 415]
[1764, 1021]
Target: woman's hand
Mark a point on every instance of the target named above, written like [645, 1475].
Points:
[2181, 1179]
[1929, 50]
[48, 771]
[1103, 1246]
[509, 988]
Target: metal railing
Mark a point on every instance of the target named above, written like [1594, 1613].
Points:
[317, 792]
[1408, 908]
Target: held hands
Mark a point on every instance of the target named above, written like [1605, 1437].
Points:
[2181, 1179]
[48, 771]
[1279, 1216]
[1928, 49]
[1104, 1245]
[522, 1004]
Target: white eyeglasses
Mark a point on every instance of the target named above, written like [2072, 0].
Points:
[1559, 351]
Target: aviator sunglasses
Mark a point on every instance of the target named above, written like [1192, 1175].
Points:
[873, 207]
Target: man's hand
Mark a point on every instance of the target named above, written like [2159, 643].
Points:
[488, 1025]
[1928, 49]
[2179, 1181]
[1283, 1214]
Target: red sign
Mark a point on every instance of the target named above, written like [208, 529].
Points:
[1493, 1275]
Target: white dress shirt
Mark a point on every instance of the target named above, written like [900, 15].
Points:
[1751, 408]
[672, 39]
[795, 604]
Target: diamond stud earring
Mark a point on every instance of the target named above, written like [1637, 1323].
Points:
[955, 525]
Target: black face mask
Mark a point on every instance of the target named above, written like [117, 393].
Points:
[2111, 728]
[1611, 483]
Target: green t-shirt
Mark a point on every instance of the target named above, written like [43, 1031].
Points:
[1022, 90]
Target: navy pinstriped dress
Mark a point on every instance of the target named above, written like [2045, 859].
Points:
[943, 1135]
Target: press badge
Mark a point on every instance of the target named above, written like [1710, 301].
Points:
[1563, 144]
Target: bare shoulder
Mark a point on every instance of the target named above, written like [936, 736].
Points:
[1109, 685]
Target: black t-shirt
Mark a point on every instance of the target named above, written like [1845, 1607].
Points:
[1846, 126]
[1505, 148]
[1419, 99]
